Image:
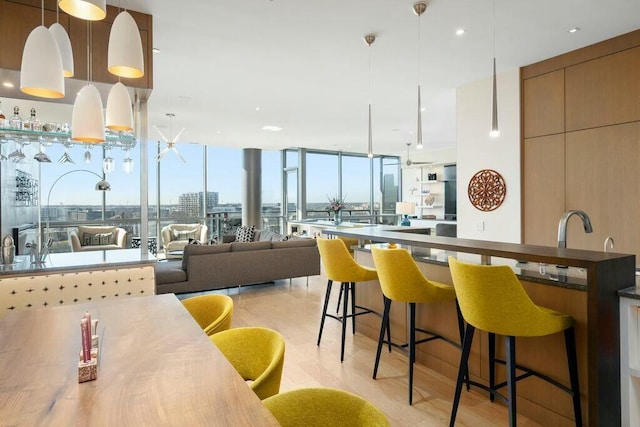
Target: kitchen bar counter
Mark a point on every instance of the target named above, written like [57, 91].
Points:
[593, 301]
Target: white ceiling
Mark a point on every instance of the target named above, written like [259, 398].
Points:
[305, 64]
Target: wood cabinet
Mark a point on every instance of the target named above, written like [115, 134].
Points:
[602, 179]
[604, 91]
[591, 164]
[543, 109]
[19, 17]
[544, 187]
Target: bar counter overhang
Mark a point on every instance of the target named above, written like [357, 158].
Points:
[606, 274]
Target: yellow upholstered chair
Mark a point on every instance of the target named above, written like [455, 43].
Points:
[257, 354]
[340, 266]
[492, 299]
[401, 280]
[212, 312]
[324, 407]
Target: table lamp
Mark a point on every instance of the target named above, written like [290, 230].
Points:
[406, 209]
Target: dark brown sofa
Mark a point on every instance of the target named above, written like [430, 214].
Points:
[209, 267]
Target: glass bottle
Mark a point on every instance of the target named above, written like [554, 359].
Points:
[33, 123]
[3, 119]
[15, 122]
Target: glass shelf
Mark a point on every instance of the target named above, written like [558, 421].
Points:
[113, 139]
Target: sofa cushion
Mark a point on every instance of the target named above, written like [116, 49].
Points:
[298, 243]
[96, 239]
[169, 272]
[245, 234]
[249, 246]
[185, 234]
[203, 250]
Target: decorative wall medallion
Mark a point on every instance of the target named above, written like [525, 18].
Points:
[487, 190]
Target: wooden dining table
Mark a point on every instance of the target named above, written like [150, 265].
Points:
[156, 367]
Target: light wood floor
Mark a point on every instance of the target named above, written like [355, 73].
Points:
[295, 312]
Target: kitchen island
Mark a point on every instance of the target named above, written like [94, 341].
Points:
[591, 299]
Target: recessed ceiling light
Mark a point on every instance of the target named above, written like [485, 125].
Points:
[460, 32]
[7, 84]
[155, 50]
[574, 30]
[271, 128]
[257, 108]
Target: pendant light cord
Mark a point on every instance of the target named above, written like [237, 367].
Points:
[419, 46]
[494, 28]
[369, 74]
[90, 49]
[42, 10]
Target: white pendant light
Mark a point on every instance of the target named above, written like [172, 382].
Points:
[41, 69]
[89, 10]
[119, 113]
[87, 122]
[64, 46]
[125, 57]
[418, 9]
[369, 39]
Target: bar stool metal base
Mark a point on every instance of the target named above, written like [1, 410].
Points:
[512, 378]
[410, 347]
[346, 288]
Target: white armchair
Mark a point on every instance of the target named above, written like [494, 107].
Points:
[97, 238]
[176, 236]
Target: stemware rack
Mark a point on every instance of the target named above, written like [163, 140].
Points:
[122, 140]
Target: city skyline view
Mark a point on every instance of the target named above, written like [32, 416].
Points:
[224, 174]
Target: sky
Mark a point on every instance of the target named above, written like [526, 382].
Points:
[224, 174]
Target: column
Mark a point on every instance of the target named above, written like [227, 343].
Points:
[252, 187]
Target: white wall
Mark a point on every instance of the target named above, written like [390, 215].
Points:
[476, 151]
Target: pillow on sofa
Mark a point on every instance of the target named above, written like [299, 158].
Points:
[203, 250]
[97, 239]
[245, 234]
[185, 234]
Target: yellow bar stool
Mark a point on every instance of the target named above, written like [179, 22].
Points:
[492, 299]
[401, 280]
[340, 266]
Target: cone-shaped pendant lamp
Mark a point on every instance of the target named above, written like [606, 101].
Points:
[495, 131]
[119, 113]
[125, 48]
[64, 46]
[88, 10]
[418, 9]
[87, 122]
[369, 39]
[41, 70]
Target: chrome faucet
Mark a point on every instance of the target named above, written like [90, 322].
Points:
[608, 242]
[562, 226]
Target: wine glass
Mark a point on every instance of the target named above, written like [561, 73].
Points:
[66, 158]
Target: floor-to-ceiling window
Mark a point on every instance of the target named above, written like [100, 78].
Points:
[322, 182]
[224, 179]
[272, 190]
[356, 186]
[69, 195]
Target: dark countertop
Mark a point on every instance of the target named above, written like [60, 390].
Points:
[571, 278]
[69, 261]
[632, 292]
